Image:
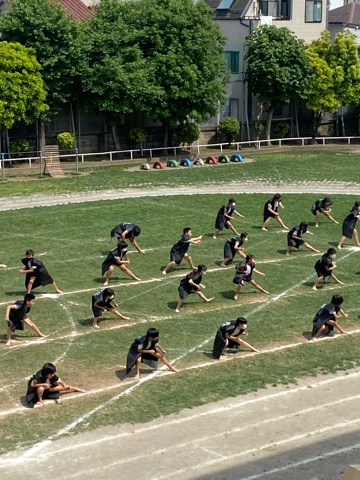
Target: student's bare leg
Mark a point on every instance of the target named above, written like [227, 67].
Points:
[317, 281]
[222, 356]
[39, 393]
[216, 234]
[137, 368]
[179, 305]
[30, 284]
[258, 287]
[120, 315]
[342, 240]
[232, 228]
[329, 217]
[238, 288]
[264, 225]
[129, 272]
[288, 251]
[108, 275]
[356, 238]
[9, 333]
[317, 214]
[55, 287]
[307, 245]
[337, 280]
[202, 296]
[95, 322]
[225, 262]
[34, 327]
[189, 260]
[319, 332]
[279, 220]
[168, 266]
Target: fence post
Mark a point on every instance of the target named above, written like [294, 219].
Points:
[110, 156]
[3, 166]
[41, 161]
[77, 160]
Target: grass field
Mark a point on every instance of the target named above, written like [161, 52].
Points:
[72, 240]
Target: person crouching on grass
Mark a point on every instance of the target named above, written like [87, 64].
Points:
[103, 301]
[46, 385]
[294, 239]
[243, 273]
[117, 257]
[348, 226]
[179, 250]
[36, 273]
[228, 336]
[192, 284]
[324, 268]
[271, 211]
[325, 320]
[146, 349]
[17, 314]
[233, 246]
[322, 206]
[224, 217]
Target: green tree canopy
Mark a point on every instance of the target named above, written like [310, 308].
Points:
[22, 92]
[278, 68]
[161, 57]
[52, 34]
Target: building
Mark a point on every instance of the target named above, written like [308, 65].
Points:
[237, 18]
[348, 17]
[75, 8]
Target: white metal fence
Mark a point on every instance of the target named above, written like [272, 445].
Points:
[76, 157]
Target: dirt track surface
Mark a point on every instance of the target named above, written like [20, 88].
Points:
[305, 432]
[11, 203]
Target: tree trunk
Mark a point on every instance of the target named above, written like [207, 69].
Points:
[165, 127]
[41, 135]
[115, 136]
[269, 117]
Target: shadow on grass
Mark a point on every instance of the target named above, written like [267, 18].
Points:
[21, 293]
[228, 294]
[283, 251]
[86, 322]
[122, 376]
[172, 305]
[114, 279]
[307, 335]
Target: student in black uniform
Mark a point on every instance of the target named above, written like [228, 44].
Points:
[17, 314]
[46, 385]
[271, 211]
[103, 301]
[192, 284]
[324, 268]
[294, 239]
[179, 250]
[117, 258]
[349, 224]
[224, 217]
[127, 231]
[228, 336]
[233, 246]
[36, 273]
[243, 273]
[322, 206]
[146, 349]
[326, 318]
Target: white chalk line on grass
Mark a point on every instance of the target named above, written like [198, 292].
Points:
[40, 446]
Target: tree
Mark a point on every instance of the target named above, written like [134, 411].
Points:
[22, 92]
[321, 96]
[116, 77]
[229, 127]
[278, 69]
[52, 34]
[341, 59]
[188, 133]
[184, 47]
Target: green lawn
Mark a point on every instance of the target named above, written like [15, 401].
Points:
[73, 239]
[329, 164]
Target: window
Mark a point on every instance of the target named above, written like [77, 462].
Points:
[232, 60]
[313, 11]
[275, 8]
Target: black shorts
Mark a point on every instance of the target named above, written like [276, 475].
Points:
[15, 325]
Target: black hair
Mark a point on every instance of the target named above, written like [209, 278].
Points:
[109, 292]
[186, 230]
[244, 235]
[241, 320]
[202, 268]
[231, 200]
[48, 368]
[303, 226]
[122, 246]
[30, 252]
[136, 231]
[330, 251]
[249, 257]
[152, 332]
[277, 196]
[28, 297]
[337, 300]
[327, 201]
